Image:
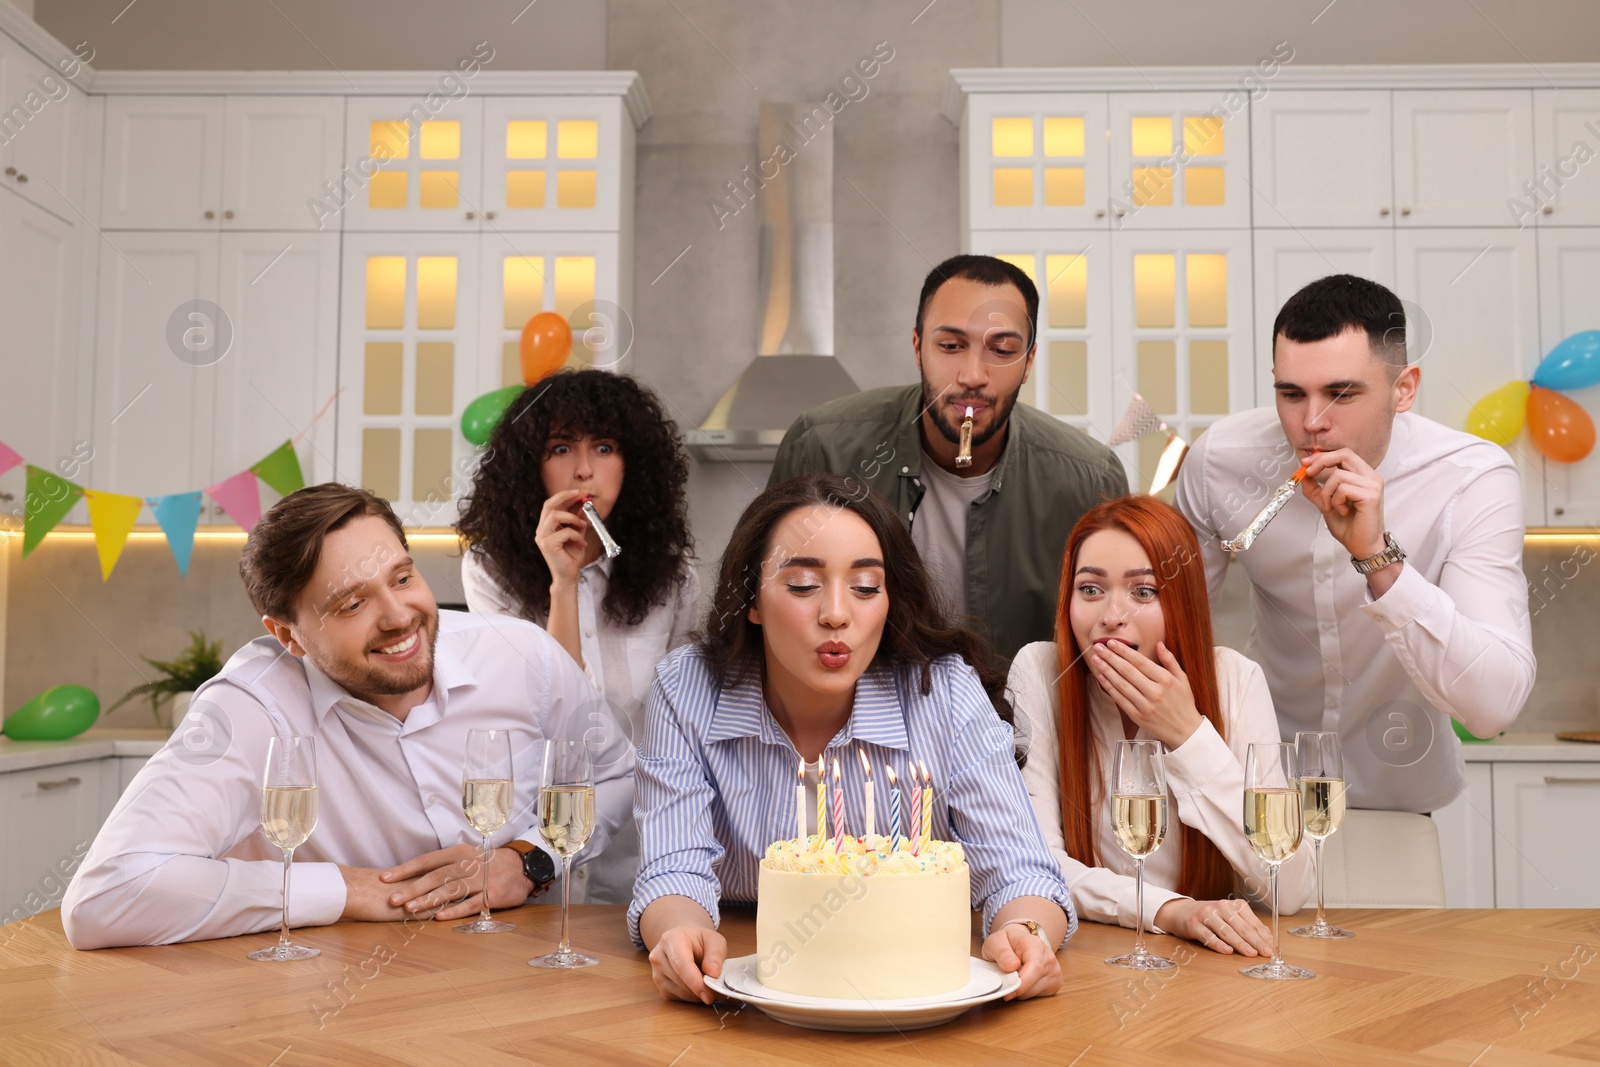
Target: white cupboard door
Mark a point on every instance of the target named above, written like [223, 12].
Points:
[43, 132]
[52, 815]
[1474, 297]
[281, 292]
[1287, 260]
[1035, 161]
[1178, 160]
[155, 367]
[39, 297]
[413, 169]
[1564, 190]
[1543, 813]
[1322, 158]
[1072, 368]
[1466, 841]
[1460, 155]
[163, 163]
[1183, 335]
[278, 153]
[555, 163]
[1569, 302]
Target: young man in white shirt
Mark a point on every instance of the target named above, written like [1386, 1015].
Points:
[360, 658]
[1389, 593]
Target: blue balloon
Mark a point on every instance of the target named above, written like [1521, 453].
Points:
[1572, 364]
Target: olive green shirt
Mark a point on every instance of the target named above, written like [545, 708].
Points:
[1048, 475]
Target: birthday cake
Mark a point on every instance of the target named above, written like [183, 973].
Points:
[855, 920]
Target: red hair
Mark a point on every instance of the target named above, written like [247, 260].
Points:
[1180, 581]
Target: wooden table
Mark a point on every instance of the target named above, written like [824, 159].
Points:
[1432, 987]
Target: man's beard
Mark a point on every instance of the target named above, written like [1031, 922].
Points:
[363, 680]
[934, 405]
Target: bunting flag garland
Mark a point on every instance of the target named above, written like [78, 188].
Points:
[281, 470]
[49, 498]
[178, 514]
[240, 497]
[112, 516]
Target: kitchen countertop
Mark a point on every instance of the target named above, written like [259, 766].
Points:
[96, 743]
[1530, 748]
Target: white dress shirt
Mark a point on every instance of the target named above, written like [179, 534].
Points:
[1205, 788]
[621, 662]
[1450, 637]
[181, 857]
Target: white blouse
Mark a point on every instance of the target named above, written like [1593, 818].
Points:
[621, 662]
[1205, 783]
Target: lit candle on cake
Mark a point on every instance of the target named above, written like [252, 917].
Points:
[894, 808]
[838, 810]
[872, 812]
[822, 802]
[927, 805]
[916, 811]
[800, 804]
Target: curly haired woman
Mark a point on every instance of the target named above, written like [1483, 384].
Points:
[531, 553]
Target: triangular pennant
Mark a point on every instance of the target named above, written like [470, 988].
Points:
[49, 498]
[112, 516]
[240, 497]
[1137, 421]
[178, 515]
[8, 458]
[281, 470]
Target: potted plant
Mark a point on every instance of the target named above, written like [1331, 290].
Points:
[169, 694]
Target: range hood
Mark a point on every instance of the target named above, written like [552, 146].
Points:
[794, 369]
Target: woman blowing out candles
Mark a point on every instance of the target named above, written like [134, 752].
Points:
[597, 436]
[1133, 658]
[825, 637]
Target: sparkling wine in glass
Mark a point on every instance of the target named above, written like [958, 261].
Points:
[486, 797]
[288, 815]
[1273, 826]
[566, 819]
[1139, 818]
[1322, 808]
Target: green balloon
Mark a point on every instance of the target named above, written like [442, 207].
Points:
[484, 414]
[59, 712]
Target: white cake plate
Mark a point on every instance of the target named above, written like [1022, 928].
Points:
[739, 981]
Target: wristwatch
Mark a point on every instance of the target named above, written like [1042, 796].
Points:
[537, 865]
[1392, 553]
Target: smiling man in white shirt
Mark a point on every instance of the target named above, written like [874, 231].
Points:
[1389, 594]
[361, 659]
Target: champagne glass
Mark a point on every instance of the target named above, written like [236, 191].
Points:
[288, 815]
[566, 819]
[486, 797]
[1272, 826]
[1139, 817]
[1322, 808]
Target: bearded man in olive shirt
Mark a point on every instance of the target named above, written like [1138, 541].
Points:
[991, 533]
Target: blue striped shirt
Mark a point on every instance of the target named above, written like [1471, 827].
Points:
[716, 775]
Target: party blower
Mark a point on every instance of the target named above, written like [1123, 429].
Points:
[1280, 497]
[964, 457]
[609, 543]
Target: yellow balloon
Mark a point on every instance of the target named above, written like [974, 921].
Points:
[1498, 417]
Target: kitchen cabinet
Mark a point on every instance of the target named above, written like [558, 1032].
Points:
[1322, 158]
[41, 133]
[1288, 260]
[1467, 841]
[1152, 188]
[1474, 293]
[39, 301]
[1544, 813]
[421, 170]
[557, 164]
[220, 163]
[1569, 301]
[1460, 154]
[50, 815]
[1565, 186]
[1035, 161]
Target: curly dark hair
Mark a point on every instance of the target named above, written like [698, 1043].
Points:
[651, 517]
[916, 631]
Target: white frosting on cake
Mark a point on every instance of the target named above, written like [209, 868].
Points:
[862, 922]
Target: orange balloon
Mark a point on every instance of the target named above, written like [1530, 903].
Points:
[1560, 428]
[546, 341]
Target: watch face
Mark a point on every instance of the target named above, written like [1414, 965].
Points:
[539, 867]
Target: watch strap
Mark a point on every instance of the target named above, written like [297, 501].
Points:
[1392, 553]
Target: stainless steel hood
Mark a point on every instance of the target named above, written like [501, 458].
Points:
[794, 369]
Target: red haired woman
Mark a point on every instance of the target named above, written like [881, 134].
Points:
[1133, 658]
